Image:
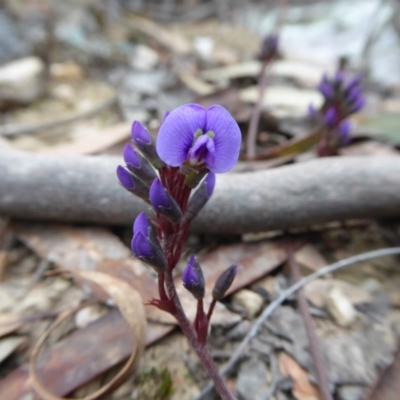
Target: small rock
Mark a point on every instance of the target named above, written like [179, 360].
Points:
[340, 307]
[69, 70]
[144, 58]
[351, 393]
[21, 81]
[252, 381]
[248, 301]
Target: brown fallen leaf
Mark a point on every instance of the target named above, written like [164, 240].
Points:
[303, 389]
[94, 141]
[76, 359]
[308, 256]
[129, 302]
[9, 323]
[9, 345]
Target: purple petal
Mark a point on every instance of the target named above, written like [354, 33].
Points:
[227, 138]
[326, 89]
[124, 178]
[189, 276]
[141, 246]
[159, 196]
[140, 134]
[358, 105]
[176, 133]
[130, 156]
[141, 224]
[202, 151]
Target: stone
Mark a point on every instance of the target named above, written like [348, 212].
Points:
[21, 81]
[248, 301]
[252, 380]
[340, 307]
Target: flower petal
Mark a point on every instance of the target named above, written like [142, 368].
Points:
[227, 138]
[176, 133]
[141, 224]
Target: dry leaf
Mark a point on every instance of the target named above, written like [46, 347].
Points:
[303, 389]
[310, 257]
[9, 323]
[9, 345]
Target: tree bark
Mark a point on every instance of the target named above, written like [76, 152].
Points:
[85, 189]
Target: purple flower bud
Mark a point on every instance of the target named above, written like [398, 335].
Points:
[269, 48]
[354, 94]
[148, 251]
[141, 224]
[358, 104]
[132, 183]
[312, 112]
[356, 81]
[224, 282]
[200, 197]
[330, 117]
[163, 203]
[199, 138]
[344, 132]
[145, 143]
[193, 278]
[326, 88]
[138, 165]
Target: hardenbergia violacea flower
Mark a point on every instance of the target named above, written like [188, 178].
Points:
[176, 176]
[342, 97]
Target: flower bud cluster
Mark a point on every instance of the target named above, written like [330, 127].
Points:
[342, 97]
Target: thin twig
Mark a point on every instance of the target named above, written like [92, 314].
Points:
[287, 293]
[315, 350]
[12, 130]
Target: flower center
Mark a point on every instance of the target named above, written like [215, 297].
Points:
[203, 149]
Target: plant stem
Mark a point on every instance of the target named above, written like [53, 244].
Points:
[201, 350]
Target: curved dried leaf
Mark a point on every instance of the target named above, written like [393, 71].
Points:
[129, 302]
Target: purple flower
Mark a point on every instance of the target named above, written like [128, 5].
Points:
[199, 138]
[325, 87]
[141, 246]
[193, 278]
[163, 203]
[200, 197]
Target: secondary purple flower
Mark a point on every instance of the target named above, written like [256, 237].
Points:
[344, 132]
[330, 117]
[193, 278]
[199, 138]
[145, 143]
[132, 183]
[224, 282]
[200, 197]
[164, 203]
[137, 164]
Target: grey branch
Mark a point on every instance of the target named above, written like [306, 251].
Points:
[85, 189]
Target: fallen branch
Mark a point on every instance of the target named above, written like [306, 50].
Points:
[85, 189]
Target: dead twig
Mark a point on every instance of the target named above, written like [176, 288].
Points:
[320, 368]
[85, 189]
[20, 129]
[287, 293]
